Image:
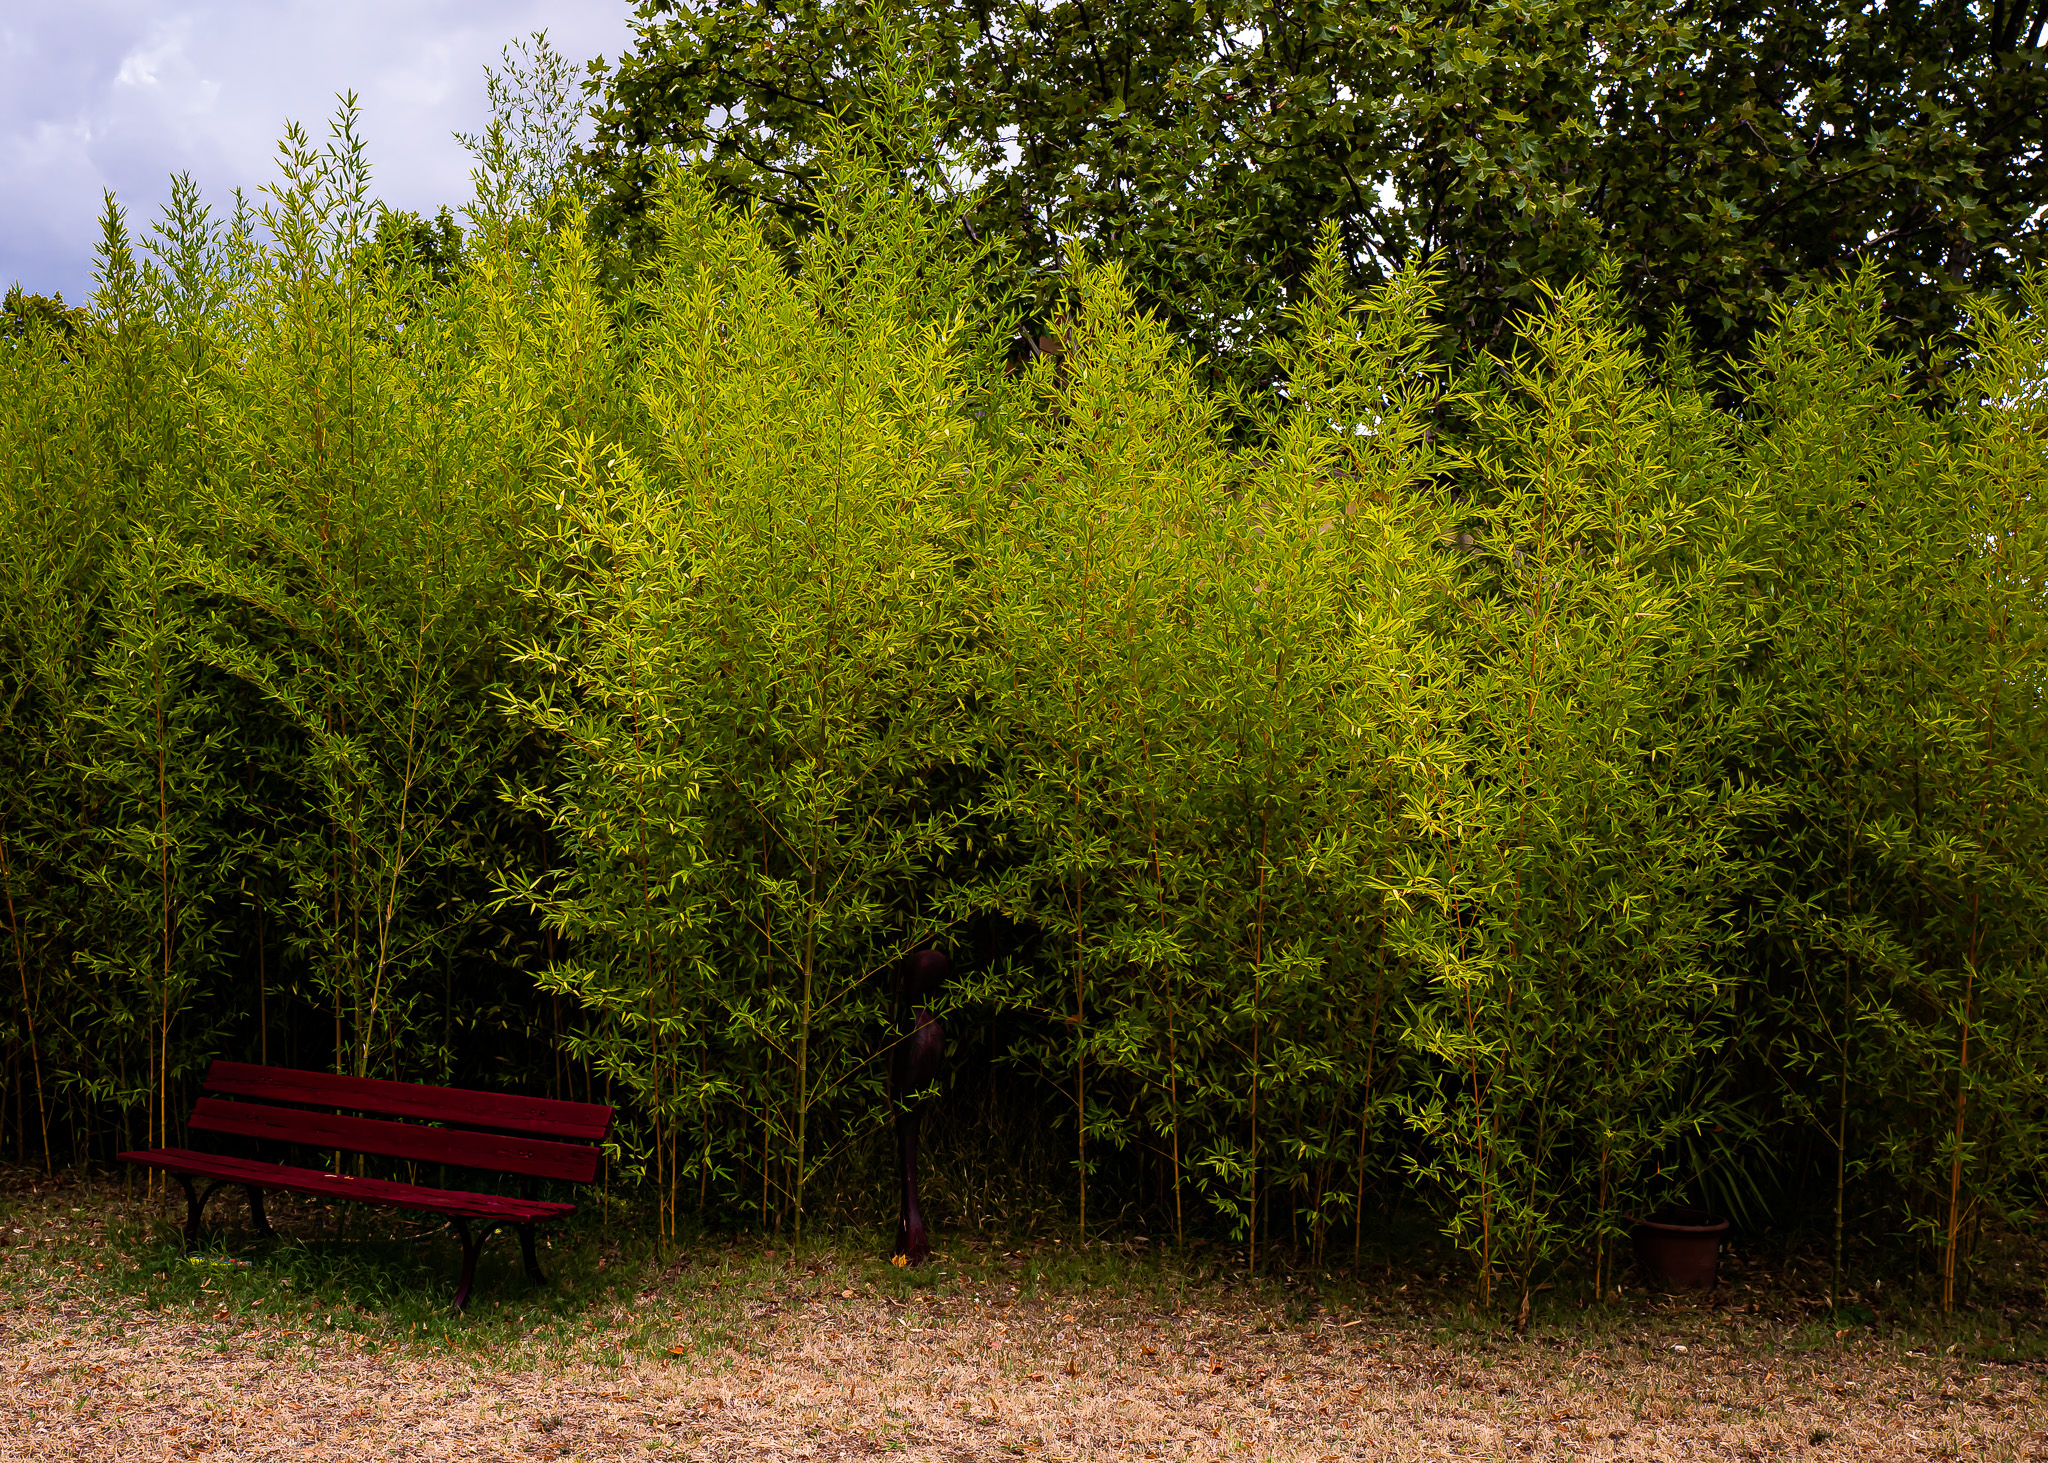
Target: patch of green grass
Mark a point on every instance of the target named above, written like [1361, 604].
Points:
[375, 1275]
[387, 1279]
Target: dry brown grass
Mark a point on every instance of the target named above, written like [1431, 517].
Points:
[835, 1359]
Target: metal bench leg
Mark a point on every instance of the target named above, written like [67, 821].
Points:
[526, 1253]
[256, 1215]
[471, 1248]
[195, 1205]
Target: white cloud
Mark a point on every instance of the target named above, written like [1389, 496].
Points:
[122, 93]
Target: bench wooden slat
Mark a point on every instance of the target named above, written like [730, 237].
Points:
[497, 1152]
[340, 1186]
[539, 1116]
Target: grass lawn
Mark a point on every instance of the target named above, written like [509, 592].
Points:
[335, 1344]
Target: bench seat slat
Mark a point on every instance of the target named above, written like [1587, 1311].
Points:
[540, 1116]
[497, 1152]
[340, 1186]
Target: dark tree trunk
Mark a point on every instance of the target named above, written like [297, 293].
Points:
[920, 1049]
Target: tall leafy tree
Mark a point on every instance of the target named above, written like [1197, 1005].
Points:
[1720, 151]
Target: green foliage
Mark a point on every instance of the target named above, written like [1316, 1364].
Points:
[1578, 818]
[21, 313]
[260, 575]
[757, 678]
[525, 153]
[1177, 634]
[1530, 792]
[1719, 153]
[1906, 670]
[427, 249]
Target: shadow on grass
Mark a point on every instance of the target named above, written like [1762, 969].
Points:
[378, 1275]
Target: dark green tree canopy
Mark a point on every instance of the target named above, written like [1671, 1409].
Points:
[21, 312]
[1718, 152]
[410, 241]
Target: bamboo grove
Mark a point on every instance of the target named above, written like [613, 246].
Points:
[1523, 790]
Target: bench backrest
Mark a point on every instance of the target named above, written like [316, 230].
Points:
[494, 1131]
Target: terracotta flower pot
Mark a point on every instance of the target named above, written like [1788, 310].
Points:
[1680, 1248]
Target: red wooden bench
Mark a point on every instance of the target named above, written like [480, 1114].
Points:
[531, 1137]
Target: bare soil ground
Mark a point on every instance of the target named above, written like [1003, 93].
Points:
[818, 1356]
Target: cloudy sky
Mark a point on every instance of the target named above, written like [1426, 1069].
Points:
[120, 94]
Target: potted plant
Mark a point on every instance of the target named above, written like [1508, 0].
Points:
[1679, 1247]
[1720, 1158]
